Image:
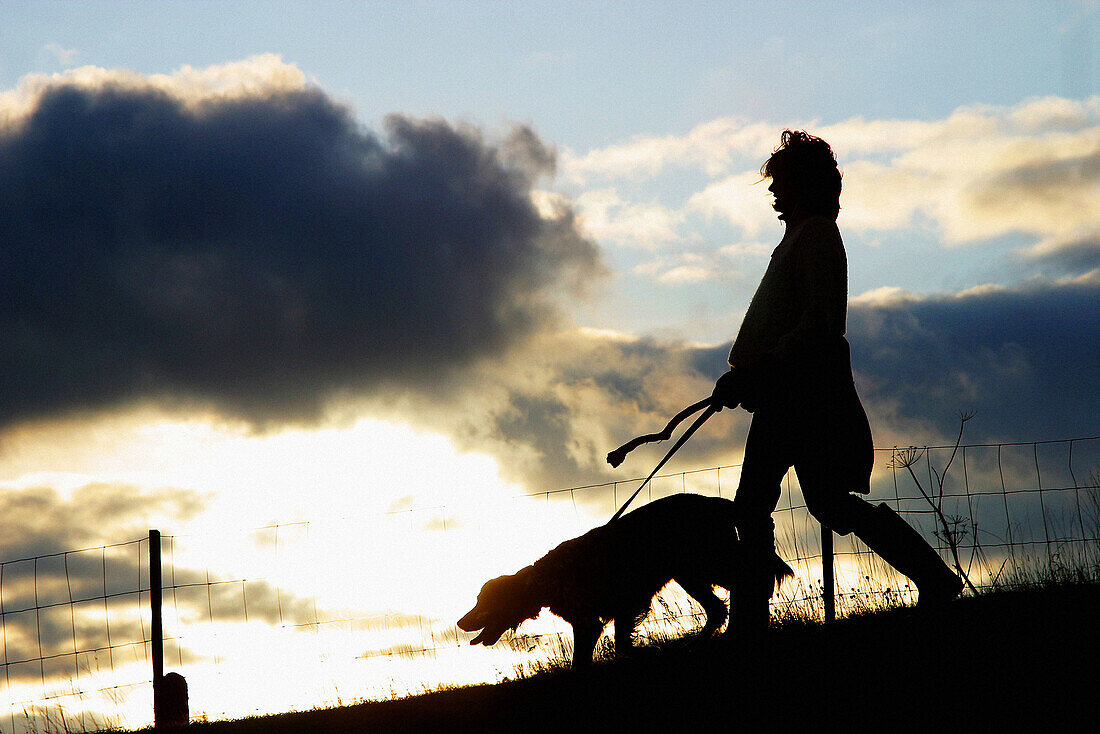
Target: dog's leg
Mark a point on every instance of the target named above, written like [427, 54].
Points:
[624, 633]
[703, 592]
[624, 636]
[585, 636]
[630, 613]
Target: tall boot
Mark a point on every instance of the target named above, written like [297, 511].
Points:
[888, 535]
[750, 602]
[750, 605]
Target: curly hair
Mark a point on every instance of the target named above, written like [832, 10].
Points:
[809, 164]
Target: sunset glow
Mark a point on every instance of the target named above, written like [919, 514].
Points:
[350, 301]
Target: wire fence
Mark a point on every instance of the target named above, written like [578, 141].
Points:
[74, 624]
[298, 615]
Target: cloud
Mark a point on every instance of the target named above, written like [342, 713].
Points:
[549, 415]
[259, 75]
[982, 172]
[647, 225]
[1078, 253]
[712, 146]
[64, 56]
[739, 199]
[1025, 358]
[233, 237]
[39, 520]
[689, 268]
[724, 145]
[686, 274]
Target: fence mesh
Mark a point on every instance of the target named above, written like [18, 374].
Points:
[299, 615]
[75, 628]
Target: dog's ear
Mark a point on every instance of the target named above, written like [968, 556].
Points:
[503, 604]
[488, 604]
[525, 582]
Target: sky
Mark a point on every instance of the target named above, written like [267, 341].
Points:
[313, 262]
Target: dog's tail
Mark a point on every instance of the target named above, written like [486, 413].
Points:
[782, 570]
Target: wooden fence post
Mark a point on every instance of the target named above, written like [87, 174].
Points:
[827, 574]
[169, 691]
[157, 632]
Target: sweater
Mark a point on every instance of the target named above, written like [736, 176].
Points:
[798, 314]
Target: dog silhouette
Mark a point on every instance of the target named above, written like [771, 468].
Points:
[611, 573]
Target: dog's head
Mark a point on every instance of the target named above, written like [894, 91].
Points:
[502, 605]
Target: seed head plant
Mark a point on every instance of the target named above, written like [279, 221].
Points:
[952, 528]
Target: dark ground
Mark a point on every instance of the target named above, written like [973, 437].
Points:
[1009, 661]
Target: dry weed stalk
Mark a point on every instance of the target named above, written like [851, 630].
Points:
[953, 528]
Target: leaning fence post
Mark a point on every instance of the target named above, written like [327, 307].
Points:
[827, 574]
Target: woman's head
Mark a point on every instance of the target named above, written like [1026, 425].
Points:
[805, 177]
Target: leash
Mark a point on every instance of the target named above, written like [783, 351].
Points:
[616, 457]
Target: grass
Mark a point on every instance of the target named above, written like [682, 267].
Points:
[1004, 659]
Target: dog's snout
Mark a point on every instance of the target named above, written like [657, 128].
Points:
[488, 636]
[469, 622]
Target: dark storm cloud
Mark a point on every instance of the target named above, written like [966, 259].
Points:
[261, 253]
[1072, 256]
[1026, 359]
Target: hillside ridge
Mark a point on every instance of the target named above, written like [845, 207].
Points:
[1009, 659]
